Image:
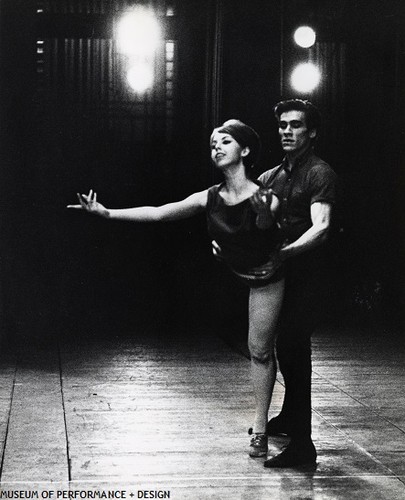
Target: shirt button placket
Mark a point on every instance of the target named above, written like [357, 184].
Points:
[285, 199]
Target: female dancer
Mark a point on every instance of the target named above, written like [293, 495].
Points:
[241, 222]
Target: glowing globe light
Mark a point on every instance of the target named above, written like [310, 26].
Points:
[138, 33]
[305, 36]
[140, 77]
[305, 77]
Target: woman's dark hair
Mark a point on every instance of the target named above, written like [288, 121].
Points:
[245, 136]
[312, 114]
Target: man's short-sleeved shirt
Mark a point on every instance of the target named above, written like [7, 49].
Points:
[311, 180]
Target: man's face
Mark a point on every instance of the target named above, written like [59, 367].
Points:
[294, 134]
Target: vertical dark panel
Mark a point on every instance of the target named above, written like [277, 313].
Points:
[59, 137]
[358, 50]
[251, 67]
[247, 63]
[373, 164]
[17, 73]
[214, 67]
[26, 295]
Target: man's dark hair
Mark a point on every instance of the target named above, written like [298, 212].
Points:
[312, 114]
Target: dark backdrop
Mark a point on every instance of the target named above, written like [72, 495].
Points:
[67, 273]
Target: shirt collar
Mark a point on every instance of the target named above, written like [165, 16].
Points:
[300, 160]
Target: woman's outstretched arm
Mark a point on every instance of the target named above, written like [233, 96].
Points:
[188, 207]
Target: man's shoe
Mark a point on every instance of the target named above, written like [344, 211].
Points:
[277, 427]
[294, 455]
[258, 445]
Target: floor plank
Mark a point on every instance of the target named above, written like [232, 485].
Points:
[170, 414]
[7, 380]
[36, 440]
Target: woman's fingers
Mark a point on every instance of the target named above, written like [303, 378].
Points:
[87, 201]
[82, 200]
[256, 202]
[78, 207]
[216, 250]
[215, 246]
[264, 195]
[261, 199]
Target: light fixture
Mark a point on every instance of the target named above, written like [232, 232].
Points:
[138, 33]
[305, 77]
[140, 77]
[304, 36]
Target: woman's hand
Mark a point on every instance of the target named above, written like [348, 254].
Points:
[216, 250]
[261, 202]
[90, 204]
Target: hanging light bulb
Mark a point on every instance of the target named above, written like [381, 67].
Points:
[138, 33]
[140, 77]
[305, 77]
[304, 36]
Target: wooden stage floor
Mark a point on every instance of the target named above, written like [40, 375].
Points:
[149, 416]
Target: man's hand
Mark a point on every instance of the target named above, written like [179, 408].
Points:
[90, 204]
[271, 266]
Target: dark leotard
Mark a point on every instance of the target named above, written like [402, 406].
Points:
[244, 247]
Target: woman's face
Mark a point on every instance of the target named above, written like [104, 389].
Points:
[225, 150]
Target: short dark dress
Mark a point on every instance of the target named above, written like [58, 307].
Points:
[245, 248]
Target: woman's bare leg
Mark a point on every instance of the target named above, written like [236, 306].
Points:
[264, 308]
